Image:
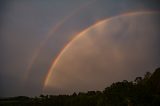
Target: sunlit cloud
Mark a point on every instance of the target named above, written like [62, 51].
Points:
[106, 52]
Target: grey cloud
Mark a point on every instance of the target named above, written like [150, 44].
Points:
[120, 49]
[25, 24]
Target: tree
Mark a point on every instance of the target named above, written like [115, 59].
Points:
[138, 80]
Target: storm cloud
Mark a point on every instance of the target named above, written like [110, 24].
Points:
[26, 24]
[110, 51]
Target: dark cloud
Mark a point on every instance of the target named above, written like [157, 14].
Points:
[115, 50]
[25, 24]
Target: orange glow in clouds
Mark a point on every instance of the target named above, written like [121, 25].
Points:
[83, 33]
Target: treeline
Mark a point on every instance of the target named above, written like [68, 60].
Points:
[143, 91]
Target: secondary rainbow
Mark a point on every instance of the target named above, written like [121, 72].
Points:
[51, 33]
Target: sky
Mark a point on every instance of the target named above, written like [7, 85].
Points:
[66, 46]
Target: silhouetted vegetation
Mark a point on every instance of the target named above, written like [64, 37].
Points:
[143, 91]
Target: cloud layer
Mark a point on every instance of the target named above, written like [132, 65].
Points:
[115, 50]
[25, 24]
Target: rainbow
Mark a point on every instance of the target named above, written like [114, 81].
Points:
[55, 62]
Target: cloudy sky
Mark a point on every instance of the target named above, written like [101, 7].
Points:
[62, 46]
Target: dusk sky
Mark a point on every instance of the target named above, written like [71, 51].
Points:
[66, 46]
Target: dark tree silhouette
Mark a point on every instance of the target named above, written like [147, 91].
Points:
[143, 91]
